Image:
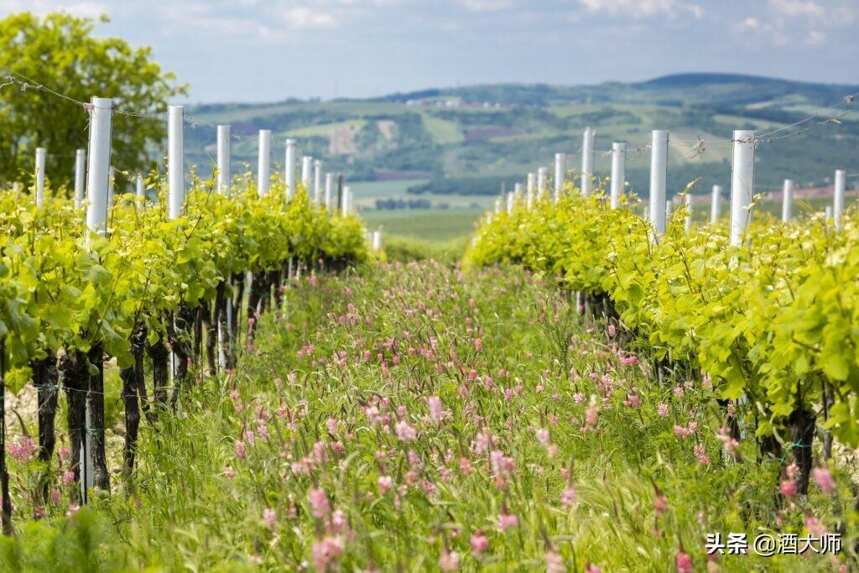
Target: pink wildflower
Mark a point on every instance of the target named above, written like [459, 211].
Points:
[701, 455]
[436, 409]
[662, 410]
[405, 432]
[824, 480]
[68, 477]
[479, 543]
[239, 448]
[683, 562]
[814, 526]
[660, 504]
[326, 551]
[269, 518]
[591, 568]
[543, 437]
[23, 450]
[385, 483]
[788, 488]
[554, 562]
[449, 561]
[568, 496]
[633, 400]
[507, 521]
[331, 425]
[319, 502]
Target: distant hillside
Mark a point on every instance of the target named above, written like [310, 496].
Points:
[472, 139]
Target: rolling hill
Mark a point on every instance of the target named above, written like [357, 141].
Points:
[470, 140]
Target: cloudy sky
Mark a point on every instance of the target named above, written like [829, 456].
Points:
[257, 50]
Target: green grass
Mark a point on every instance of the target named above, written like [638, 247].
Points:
[326, 437]
[434, 225]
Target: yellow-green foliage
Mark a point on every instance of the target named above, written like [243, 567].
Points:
[773, 320]
[60, 289]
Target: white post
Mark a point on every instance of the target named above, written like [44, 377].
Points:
[529, 194]
[347, 199]
[377, 240]
[41, 152]
[542, 179]
[787, 201]
[317, 181]
[560, 174]
[175, 162]
[531, 182]
[264, 163]
[687, 224]
[511, 198]
[618, 172]
[658, 177]
[140, 191]
[98, 171]
[98, 177]
[838, 199]
[80, 177]
[498, 206]
[587, 161]
[306, 167]
[329, 187]
[716, 204]
[224, 175]
[742, 183]
[289, 177]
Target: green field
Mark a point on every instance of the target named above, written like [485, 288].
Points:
[435, 225]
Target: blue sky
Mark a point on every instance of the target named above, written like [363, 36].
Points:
[262, 50]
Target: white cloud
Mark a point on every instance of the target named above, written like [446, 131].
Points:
[43, 7]
[644, 8]
[304, 18]
[751, 23]
[486, 5]
[815, 38]
[794, 8]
